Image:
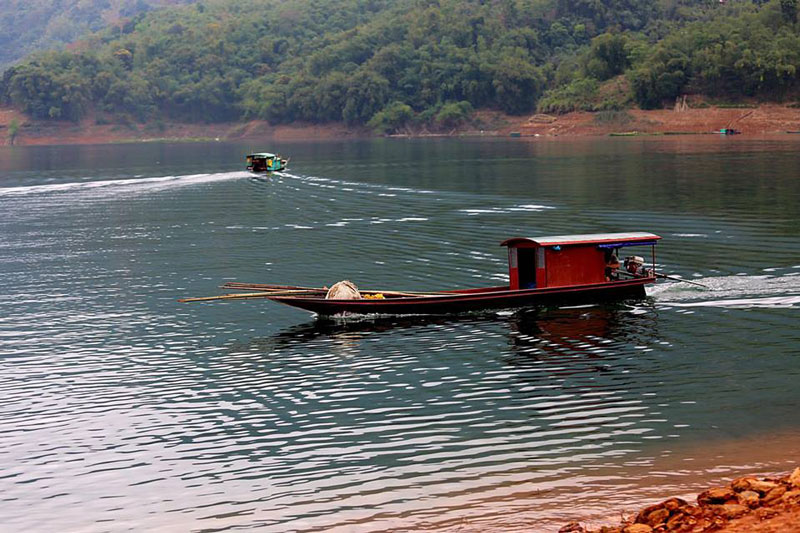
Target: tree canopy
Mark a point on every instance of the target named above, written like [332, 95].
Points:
[396, 63]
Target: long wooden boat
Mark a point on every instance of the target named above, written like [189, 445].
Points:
[466, 300]
[542, 271]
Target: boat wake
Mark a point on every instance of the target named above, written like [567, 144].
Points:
[742, 291]
[533, 208]
[139, 183]
[391, 191]
[353, 186]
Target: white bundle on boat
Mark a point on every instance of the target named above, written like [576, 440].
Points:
[343, 290]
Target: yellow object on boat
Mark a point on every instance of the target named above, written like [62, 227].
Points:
[376, 296]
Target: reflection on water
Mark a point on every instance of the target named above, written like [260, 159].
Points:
[123, 409]
[462, 415]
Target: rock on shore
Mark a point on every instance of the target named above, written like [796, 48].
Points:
[746, 505]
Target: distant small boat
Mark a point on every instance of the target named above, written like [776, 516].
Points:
[729, 131]
[266, 162]
[543, 271]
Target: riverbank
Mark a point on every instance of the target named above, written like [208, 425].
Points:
[758, 120]
[746, 505]
[92, 131]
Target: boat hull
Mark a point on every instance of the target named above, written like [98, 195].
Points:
[470, 300]
[262, 170]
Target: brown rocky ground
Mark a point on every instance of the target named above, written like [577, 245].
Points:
[763, 119]
[746, 505]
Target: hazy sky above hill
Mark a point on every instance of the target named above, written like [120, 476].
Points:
[30, 25]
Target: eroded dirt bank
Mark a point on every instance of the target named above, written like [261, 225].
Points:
[30, 132]
[764, 119]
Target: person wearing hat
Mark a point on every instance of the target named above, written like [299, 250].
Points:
[612, 268]
[635, 265]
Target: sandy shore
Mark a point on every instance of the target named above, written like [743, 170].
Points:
[760, 120]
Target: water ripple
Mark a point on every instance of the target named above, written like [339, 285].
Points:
[123, 409]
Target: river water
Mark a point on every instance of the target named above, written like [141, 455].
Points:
[123, 409]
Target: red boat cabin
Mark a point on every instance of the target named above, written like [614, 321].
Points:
[566, 260]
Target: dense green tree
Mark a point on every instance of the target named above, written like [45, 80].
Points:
[393, 118]
[789, 10]
[453, 114]
[366, 95]
[46, 94]
[13, 130]
[371, 62]
[580, 94]
[330, 95]
[266, 99]
[517, 84]
[608, 56]
[661, 79]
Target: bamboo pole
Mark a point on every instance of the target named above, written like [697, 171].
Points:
[663, 276]
[302, 292]
[681, 280]
[265, 287]
[246, 295]
[268, 286]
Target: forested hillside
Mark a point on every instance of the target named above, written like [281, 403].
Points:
[29, 25]
[391, 64]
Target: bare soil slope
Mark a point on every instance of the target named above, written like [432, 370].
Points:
[759, 120]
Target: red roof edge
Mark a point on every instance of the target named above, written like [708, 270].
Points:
[599, 238]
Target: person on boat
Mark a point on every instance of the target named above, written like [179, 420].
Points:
[612, 268]
[635, 266]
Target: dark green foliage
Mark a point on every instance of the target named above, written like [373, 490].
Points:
[736, 51]
[789, 10]
[517, 84]
[608, 56]
[397, 63]
[365, 96]
[45, 93]
[392, 118]
[321, 60]
[580, 94]
[453, 114]
[13, 130]
[661, 78]
[751, 53]
[628, 14]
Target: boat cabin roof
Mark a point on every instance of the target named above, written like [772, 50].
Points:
[264, 155]
[603, 240]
